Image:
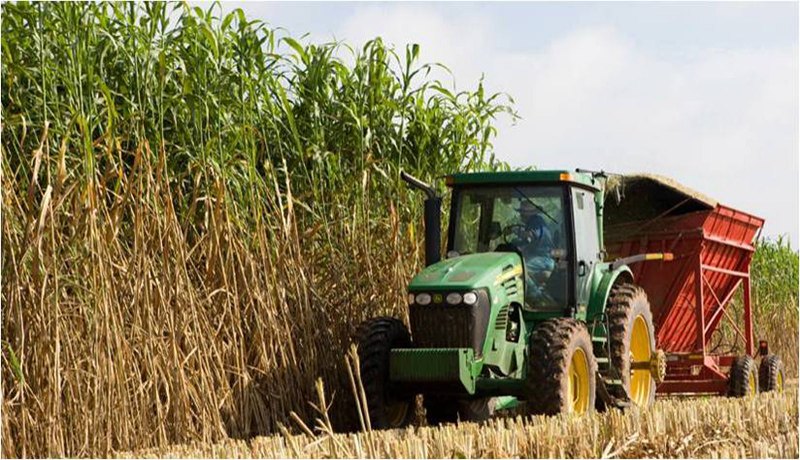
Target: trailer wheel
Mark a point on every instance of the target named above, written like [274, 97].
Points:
[770, 374]
[561, 368]
[375, 339]
[743, 378]
[631, 344]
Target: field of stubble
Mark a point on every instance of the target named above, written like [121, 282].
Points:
[678, 428]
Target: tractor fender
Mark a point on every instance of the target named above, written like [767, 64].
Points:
[598, 298]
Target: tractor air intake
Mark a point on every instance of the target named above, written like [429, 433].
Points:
[433, 218]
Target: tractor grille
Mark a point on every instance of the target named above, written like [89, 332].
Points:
[441, 326]
[450, 326]
[502, 319]
[511, 287]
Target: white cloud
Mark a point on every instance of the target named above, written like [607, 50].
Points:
[723, 121]
[457, 44]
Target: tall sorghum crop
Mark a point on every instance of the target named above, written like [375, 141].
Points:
[197, 212]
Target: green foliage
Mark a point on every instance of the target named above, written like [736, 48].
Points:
[775, 274]
[774, 295]
[228, 99]
[13, 362]
[197, 211]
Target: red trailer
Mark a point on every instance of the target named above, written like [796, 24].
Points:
[712, 246]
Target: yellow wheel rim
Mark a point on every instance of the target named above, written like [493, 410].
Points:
[780, 382]
[396, 413]
[752, 386]
[641, 380]
[578, 389]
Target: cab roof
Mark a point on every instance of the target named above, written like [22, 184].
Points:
[522, 178]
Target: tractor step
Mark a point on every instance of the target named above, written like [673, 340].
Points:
[599, 339]
[613, 381]
[601, 359]
[606, 397]
[622, 404]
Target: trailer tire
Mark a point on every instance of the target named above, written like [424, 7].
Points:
[770, 374]
[376, 338]
[628, 313]
[559, 358]
[743, 377]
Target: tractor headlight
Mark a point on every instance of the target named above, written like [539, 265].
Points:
[454, 298]
[470, 298]
[411, 299]
[423, 299]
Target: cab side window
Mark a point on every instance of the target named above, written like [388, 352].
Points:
[587, 244]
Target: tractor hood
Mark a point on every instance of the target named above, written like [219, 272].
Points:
[469, 271]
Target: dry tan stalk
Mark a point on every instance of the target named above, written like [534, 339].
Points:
[352, 356]
[716, 427]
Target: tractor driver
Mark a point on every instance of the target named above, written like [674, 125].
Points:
[536, 251]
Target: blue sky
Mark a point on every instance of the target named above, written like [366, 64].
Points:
[706, 93]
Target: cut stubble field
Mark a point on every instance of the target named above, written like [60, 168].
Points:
[710, 427]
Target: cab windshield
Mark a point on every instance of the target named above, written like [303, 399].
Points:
[528, 220]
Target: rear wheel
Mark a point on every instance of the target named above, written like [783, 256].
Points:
[743, 378]
[376, 338]
[770, 374]
[561, 368]
[631, 345]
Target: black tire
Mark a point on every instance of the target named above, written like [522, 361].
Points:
[743, 372]
[552, 345]
[476, 410]
[770, 374]
[443, 409]
[376, 338]
[625, 303]
[440, 409]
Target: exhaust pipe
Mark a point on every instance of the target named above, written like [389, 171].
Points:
[433, 218]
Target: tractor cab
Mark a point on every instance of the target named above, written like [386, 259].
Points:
[549, 218]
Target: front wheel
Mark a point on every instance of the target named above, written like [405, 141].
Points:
[561, 368]
[375, 338]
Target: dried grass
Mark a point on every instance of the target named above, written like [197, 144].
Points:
[763, 427]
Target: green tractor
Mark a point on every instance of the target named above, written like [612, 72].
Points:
[523, 310]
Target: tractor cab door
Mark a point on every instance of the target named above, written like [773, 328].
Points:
[587, 243]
